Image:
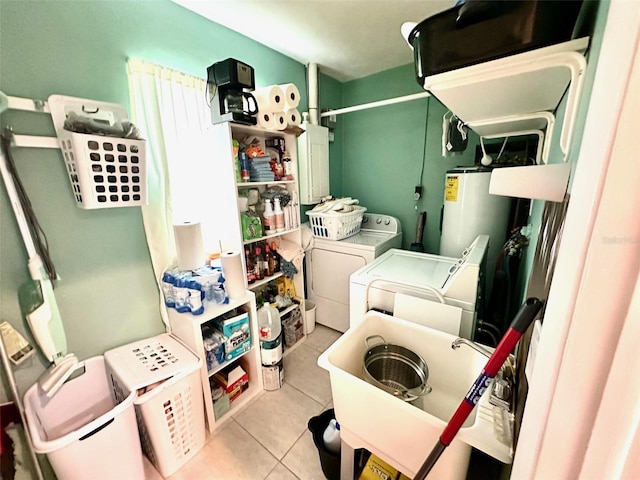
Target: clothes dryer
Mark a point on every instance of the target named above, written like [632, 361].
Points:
[330, 263]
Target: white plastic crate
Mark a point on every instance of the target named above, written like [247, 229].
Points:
[171, 413]
[84, 431]
[104, 171]
[336, 226]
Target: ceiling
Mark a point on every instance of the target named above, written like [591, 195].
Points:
[348, 39]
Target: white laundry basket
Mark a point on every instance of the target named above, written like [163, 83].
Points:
[334, 225]
[104, 171]
[83, 430]
[170, 405]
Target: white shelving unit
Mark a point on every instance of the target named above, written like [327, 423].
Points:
[225, 133]
[519, 95]
[188, 328]
[225, 213]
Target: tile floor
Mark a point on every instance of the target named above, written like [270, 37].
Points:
[268, 439]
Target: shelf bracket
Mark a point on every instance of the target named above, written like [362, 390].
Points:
[523, 84]
[28, 105]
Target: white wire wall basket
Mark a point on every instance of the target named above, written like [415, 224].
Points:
[104, 171]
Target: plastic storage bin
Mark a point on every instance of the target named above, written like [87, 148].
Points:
[84, 431]
[479, 31]
[104, 171]
[336, 226]
[169, 408]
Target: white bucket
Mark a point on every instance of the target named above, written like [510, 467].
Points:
[310, 316]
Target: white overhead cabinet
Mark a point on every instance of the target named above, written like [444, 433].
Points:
[313, 151]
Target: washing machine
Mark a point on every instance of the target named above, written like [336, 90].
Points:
[330, 263]
[449, 281]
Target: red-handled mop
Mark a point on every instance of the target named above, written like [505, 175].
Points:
[520, 323]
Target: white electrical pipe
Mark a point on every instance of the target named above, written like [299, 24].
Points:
[380, 103]
[313, 93]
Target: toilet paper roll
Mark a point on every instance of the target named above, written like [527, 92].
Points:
[292, 116]
[189, 249]
[291, 95]
[269, 99]
[266, 120]
[233, 273]
[281, 120]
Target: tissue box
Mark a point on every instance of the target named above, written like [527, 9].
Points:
[234, 381]
[237, 334]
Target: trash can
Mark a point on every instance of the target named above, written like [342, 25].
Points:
[310, 316]
[329, 461]
[170, 405]
[83, 429]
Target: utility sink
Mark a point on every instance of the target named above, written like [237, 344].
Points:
[403, 433]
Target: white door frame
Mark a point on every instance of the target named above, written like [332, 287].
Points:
[588, 317]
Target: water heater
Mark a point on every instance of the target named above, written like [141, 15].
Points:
[470, 210]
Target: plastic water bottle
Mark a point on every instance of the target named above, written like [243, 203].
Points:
[331, 436]
[270, 338]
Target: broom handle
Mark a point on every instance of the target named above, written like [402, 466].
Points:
[520, 323]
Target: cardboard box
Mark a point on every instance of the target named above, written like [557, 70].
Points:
[237, 334]
[234, 380]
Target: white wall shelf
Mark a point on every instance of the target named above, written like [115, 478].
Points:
[515, 95]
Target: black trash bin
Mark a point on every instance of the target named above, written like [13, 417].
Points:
[329, 461]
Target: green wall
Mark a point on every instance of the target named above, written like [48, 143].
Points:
[384, 147]
[107, 294]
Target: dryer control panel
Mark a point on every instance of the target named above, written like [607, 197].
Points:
[380, 223]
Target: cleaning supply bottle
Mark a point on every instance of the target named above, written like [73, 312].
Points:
[268, 223]
[278, 214]
[270, 331]
[331, 436]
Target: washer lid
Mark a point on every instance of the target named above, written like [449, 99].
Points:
[412, 268]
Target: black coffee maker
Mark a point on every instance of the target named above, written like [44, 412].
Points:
[229, 83]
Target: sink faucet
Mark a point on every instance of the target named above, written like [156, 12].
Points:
[459, 341]
[502, 390]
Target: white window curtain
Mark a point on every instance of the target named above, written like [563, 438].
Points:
[171, 109]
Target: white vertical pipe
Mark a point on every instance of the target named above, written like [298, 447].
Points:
[312, 73]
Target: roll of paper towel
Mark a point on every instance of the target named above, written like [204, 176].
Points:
[266, 120]
[292, 115]
[233, 273]
[189, 249]
[281, 120]
[269, 99]
[291, 95]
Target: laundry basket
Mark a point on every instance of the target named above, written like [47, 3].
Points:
[83, 430]
[334, 225]
[104, 171]
[170, 408]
